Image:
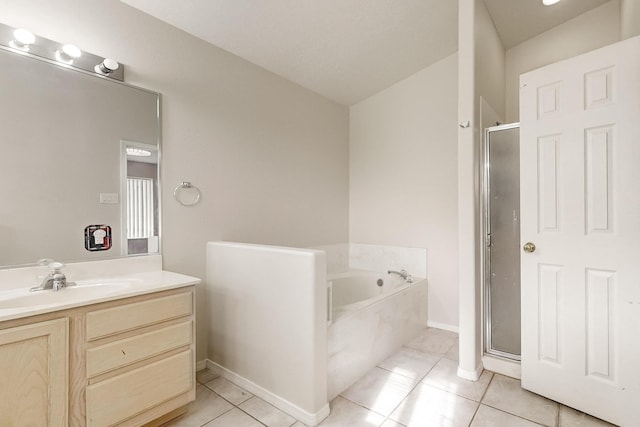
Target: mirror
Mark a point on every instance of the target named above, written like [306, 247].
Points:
[139, 182]
[65, 167]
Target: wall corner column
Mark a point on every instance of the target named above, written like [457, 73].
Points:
[470, 364]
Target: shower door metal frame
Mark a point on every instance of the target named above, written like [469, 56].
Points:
[485, 240]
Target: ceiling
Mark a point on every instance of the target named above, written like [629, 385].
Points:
[519, 20]
[348, 50]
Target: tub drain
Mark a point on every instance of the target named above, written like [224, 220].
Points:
[380, 282]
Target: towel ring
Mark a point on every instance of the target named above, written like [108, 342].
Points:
[186, 184]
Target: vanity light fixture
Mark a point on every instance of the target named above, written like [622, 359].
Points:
[22, 39]
[549, 2]
[68, 53]
[107, 66]
[131, 151]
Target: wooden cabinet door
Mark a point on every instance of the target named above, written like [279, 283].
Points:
[34, 373]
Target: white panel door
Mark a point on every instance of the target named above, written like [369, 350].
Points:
[580, 206]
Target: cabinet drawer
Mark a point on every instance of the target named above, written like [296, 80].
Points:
[109, 321]
[123, 396]
[127, 351]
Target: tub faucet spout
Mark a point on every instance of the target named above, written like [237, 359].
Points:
[402, 273]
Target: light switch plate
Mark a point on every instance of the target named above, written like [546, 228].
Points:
[109, 198]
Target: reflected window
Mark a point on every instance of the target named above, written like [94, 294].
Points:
[140, 210]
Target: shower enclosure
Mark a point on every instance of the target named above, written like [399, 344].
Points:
[501, 227]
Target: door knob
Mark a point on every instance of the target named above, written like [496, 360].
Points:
[529, 247]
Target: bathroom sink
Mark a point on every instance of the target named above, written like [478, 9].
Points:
[84, 289]
[106, 283]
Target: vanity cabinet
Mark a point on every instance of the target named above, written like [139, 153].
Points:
[34, 374]
[124, 362]
[139, 360]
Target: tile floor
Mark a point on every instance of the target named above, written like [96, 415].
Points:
[417, 386]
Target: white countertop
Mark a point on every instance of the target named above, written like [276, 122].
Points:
[19, 302]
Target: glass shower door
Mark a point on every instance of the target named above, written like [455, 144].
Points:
[502, 254]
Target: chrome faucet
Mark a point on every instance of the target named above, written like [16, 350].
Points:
[55, 281]
[402, 273]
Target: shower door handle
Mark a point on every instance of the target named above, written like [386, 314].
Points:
[529, 247]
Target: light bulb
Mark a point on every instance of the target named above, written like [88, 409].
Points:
[549, 2]
[22, 39]
[25, 37]
[68, 53]
[71, 50]
[107, 66]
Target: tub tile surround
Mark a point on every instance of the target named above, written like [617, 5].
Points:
[363, 338]
[435, 399]
[383, 258]
[360, 340]
[360, 256]
[337, 257]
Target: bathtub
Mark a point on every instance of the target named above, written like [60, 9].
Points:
[269, 308]
[367, 323]
[353, 290]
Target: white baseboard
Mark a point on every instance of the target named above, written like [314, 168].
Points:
[444, 326]
[308, 418]
[200, 365]
[470, 375]
[510, 368]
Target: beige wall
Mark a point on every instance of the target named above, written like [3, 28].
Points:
[591, 30]
[490, 61]
[403, 183]
[629, 18]
[270, 157]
